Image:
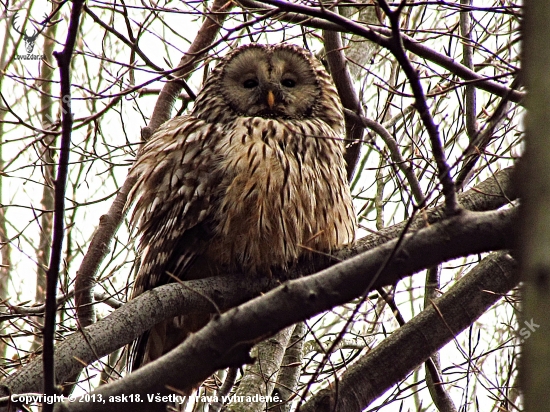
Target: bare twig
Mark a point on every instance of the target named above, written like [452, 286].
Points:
[444, 173]
[483, 137]
[198, 48]
[326, 20]
[395, 154]
[39, 309]
[468, 61]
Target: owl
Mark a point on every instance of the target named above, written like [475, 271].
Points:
[251, 180]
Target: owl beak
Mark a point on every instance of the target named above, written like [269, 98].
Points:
[270, 99]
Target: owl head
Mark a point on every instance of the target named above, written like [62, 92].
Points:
[280, 81]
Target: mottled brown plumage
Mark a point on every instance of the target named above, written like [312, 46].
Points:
[251, 180]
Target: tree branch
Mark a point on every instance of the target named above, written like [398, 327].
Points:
[336, 59]
[205, 36]
[289, 375]
[225, 341]
[468, 61]
[323, 19]
[395, 154]
[137, 316]
[260, 376]
[491, 194]
[64, 62]
[409, 346]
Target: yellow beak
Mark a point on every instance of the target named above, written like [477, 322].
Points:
[270, 99]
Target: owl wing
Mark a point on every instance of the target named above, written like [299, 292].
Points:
[176, 183]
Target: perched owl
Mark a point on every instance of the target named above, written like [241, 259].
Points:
[251, 180]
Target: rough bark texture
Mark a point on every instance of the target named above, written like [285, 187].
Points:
[375, 373]
[226, 340]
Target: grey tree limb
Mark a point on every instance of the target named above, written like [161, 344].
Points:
[227, 339]
[340, 74]
[437, 325]
[139, 315]
[260, 376]
[289, 375]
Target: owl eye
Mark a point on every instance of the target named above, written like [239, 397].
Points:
[288, 82]
[250, 83]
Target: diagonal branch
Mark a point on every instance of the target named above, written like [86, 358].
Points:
[336, 58]
[444, 171]
[225, 341]
[391, 361]
[124, 325]
[323, 19]
[205, 37]
[395, 154]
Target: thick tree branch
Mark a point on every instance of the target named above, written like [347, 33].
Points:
[409, 346]
[432, 367]
[260, 376]
[289, 376]
[225, 388]
[225, 341]
[98, 249]
[493, 193]
[137, 316]
[48, 155]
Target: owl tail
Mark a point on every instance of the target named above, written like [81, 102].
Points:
[164, 337]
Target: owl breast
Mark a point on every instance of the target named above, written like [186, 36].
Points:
[279, 197]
